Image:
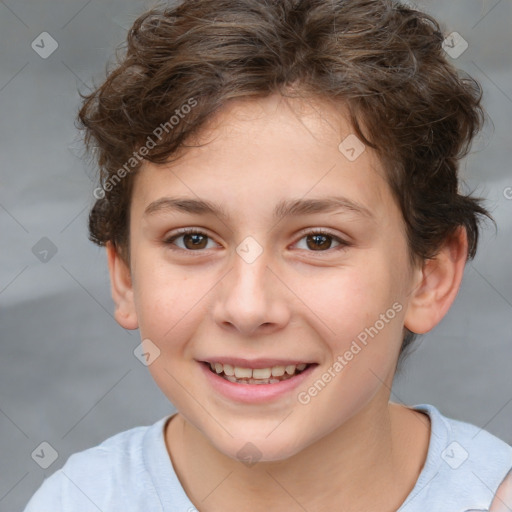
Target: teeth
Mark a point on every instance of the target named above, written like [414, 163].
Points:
[242, 373]
[251, 381]
[290, 370]
[261, 373]
[229, 370]
[257, 375]
[277, 371]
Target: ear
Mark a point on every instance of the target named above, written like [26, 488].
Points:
[437, 284]
[122, 290]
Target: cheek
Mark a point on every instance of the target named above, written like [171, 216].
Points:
[169, 307]
[167, 301]
[364, 309]
[350, 299]
[362, 313]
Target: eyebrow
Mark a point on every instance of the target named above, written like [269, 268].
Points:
[284, 208]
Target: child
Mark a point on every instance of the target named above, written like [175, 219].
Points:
[280, 209]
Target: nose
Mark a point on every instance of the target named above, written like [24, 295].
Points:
[252, 298]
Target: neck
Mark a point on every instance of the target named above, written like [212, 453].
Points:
[372, 461]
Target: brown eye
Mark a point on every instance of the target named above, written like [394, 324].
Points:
[320, 241]
[315, 242]
[192, 240]
[196, 241]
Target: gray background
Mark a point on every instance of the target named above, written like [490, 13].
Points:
[68, 375]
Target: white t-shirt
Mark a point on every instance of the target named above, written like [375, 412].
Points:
[132, 472]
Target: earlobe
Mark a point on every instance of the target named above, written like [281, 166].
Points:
[438, 283]
[122, 289]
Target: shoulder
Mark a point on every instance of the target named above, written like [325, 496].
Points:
[106, 477]
[483, 454]
[465, 466]
[489, 463]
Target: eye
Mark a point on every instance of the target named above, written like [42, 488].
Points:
[321, 241]
[193, 240]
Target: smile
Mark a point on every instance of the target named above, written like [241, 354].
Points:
[256, 381]
[269, 375]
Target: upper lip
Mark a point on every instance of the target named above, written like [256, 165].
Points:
[254, 363]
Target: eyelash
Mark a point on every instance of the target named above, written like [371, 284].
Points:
[343, 244]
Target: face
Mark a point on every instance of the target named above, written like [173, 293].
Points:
[271, 279]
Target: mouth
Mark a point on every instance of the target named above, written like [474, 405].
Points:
[267, 375]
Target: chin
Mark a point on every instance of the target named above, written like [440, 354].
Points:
[251, 449]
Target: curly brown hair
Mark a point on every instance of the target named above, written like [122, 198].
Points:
[381, 59]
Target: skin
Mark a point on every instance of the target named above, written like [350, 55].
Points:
[349, 447]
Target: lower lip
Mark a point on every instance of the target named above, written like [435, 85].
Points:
[254, 393]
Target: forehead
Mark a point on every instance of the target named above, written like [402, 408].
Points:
[255, 154]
